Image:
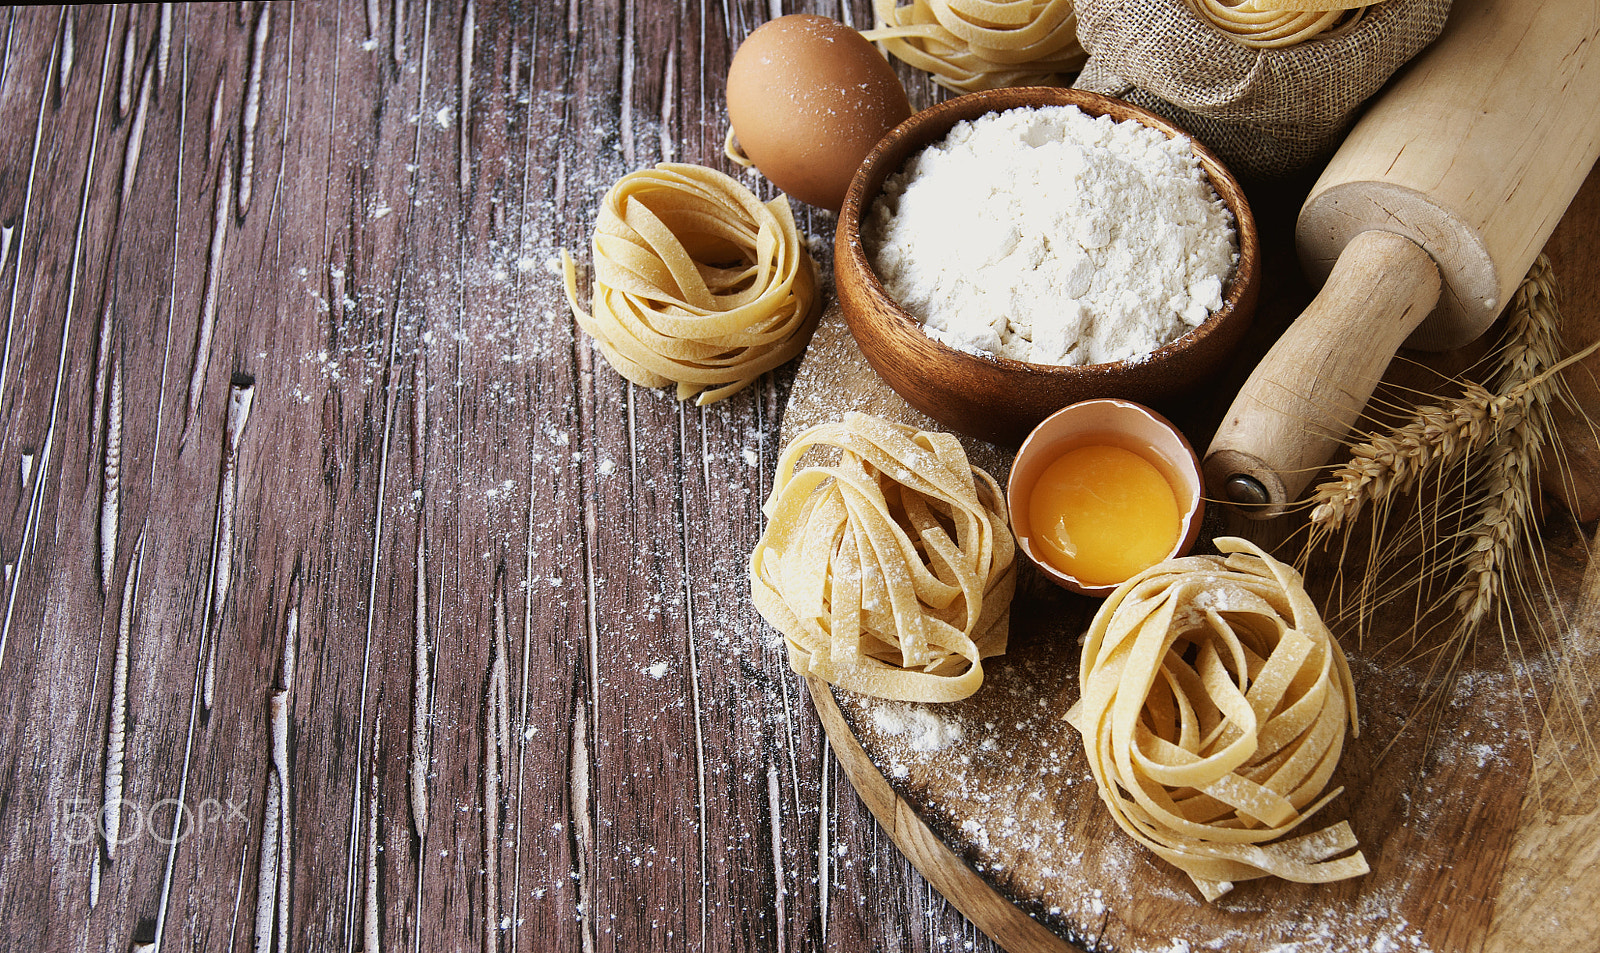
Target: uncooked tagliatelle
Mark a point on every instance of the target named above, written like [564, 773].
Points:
[1213, 706]
[970, 45]
[1273, 24]
[697, 282]
[890, 570]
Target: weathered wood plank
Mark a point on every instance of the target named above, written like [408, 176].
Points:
[446, 534]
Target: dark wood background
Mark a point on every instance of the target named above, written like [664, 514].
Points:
[346, 213]
[297, 427]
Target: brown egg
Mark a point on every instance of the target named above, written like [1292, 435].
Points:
[808, 99]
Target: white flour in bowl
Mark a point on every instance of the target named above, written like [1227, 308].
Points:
[1050, 236]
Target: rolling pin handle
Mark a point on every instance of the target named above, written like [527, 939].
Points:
[1299, 402]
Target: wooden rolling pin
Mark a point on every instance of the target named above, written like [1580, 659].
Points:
[1423, 223]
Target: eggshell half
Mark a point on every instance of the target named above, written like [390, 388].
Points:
[808, 98]
[1107, 419]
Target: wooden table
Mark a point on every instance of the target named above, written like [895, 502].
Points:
[286, 272]
[384, 614]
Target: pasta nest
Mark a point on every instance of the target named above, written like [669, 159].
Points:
[891, 571]
[970, 45]
[697, 282]
[1213, 704]
[1275, 24]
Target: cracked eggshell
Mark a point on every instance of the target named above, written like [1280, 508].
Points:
[1123, 423]
[808, 98]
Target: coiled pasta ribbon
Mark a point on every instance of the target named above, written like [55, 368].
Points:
[970, 45]
[1273, 24]
[1213, 708]
[891, 571]
[696, 282]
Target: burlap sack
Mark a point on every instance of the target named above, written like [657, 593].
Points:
[1265, 112]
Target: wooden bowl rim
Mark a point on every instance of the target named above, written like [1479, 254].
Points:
[929, 125]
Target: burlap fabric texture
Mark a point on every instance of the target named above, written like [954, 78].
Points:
[1265, 112]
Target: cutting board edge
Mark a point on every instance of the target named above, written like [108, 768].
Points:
[1000, 919]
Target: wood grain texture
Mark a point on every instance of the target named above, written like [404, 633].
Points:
[1579, 287]
[1294, 411]
[449, 567]
[472, 576]
[1473, 151]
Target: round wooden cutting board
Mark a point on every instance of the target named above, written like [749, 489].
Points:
[1480, 818]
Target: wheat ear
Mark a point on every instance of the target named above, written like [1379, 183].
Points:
[1502, 517]
[1386, 464]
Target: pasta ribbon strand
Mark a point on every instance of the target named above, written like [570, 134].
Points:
[1275, 24]
[697, 282]
[1213, 704]
[968, 45]
[890, 570]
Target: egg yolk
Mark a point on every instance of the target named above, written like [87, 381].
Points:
[1102, 514]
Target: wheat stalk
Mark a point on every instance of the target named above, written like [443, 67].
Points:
[1498, 523]
[1466, 552]
[1502, 520]
[1533, 338]
[1488, 442]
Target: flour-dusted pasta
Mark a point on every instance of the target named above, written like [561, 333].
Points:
[890, 569]
[1213, 706]
[970, 45]
[1273, 24]
[697, 282]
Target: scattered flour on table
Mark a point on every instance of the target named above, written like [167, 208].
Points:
[924, 729]
[1049, 236]
[482, 333]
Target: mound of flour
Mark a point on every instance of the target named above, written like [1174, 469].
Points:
[1050, 236]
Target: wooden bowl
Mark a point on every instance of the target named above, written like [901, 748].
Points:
[998, 399]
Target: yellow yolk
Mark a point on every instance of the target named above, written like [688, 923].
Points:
[1103, 514]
